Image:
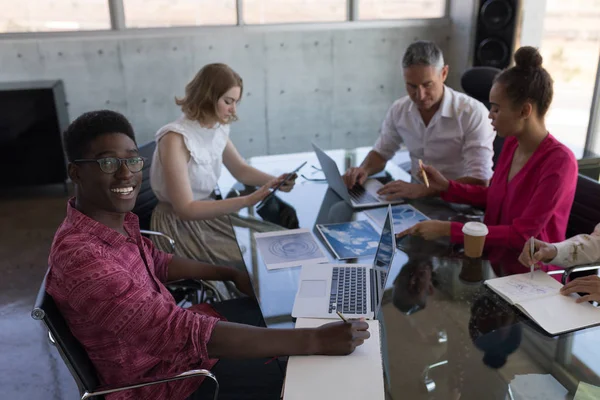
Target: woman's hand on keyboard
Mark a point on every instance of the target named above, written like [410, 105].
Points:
[340, 338]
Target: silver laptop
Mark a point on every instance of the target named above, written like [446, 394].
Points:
[359, 196]
[355, 290]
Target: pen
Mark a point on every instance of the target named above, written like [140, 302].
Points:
[342, 316]
[424, 173]
[531, 253]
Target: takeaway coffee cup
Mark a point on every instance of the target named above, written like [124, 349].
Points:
[475, 233]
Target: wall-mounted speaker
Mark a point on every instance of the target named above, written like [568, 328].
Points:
[495, 33]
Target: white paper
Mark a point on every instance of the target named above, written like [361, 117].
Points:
[289, 248]
[557, 314]
[541, 300]
[356, 376]
[521, 287]
[537, 387]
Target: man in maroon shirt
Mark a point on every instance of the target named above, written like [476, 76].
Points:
[108, 282]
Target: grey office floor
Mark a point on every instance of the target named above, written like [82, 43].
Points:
[30, 368]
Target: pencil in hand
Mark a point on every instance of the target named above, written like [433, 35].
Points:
[341, 316]
[424, 173]
[531, 254]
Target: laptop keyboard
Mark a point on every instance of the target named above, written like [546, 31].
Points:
[361, 196]
[348, 290]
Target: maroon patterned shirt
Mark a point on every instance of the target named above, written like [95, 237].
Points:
[110, 290]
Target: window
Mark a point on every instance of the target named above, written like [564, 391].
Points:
[280, 11]
[53, 15]
[570, 47]
[166, 13]
[401, 9]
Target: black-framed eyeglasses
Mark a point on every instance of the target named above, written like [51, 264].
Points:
[313, 179]
[110, 165]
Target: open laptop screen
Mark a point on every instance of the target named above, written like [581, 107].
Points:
[384, 257]
[387, 245]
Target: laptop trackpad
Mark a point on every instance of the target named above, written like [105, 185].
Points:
[312, 288]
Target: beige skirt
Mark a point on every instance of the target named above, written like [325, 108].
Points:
[212, 241]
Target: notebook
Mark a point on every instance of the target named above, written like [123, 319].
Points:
[356, 376]
[539, 298]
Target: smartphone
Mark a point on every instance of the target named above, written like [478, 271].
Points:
[280, 184]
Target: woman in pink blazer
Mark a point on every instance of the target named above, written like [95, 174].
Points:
[533, 186]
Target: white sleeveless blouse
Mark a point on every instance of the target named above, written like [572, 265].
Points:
[206, 146]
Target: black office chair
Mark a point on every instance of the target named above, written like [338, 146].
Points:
[188, 290]
[585, 214]
[77, 360]
[477, 83]
[146, 200]
[584, 217]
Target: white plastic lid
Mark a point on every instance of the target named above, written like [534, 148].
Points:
[475, 229]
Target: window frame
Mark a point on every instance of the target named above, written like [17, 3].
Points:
[118, 22]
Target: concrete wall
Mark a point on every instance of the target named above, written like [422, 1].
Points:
[331, 83]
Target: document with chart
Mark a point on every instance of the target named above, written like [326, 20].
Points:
[289, 248]
[539, 298]
[405, 216]
[348, 240]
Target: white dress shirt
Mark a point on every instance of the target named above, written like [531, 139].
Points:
[458, 140]
[578, 250]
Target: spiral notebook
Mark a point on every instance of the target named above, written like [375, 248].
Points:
[539, 298]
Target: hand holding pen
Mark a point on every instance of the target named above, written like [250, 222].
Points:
[341, 337]
[536, 251]
[423, 173]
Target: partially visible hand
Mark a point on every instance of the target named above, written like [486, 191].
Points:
[355, 175]
[259, 194]
[289, 184]
[437, 181]
[403, 190]
[340, 338]
[243, 283]
[544, 252]
[587, 284]
[428, 230]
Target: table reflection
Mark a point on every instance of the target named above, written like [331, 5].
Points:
[445, 335]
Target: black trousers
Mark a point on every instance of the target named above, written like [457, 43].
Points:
[243, 379]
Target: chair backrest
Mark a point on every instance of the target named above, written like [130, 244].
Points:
[585, 214]
[69, 348]
[477, 83]
[146, 200]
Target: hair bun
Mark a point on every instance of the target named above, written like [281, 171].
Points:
[528, 57]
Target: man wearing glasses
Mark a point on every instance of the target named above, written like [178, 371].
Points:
[108, 282]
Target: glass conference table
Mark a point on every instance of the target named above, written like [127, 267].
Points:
[444, 334]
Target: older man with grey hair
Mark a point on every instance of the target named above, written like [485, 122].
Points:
[440, 126]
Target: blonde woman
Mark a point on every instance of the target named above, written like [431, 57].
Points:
[187, 164]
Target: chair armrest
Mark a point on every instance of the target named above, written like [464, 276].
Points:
[190, 283]
[188, 374]
[568, 271]
[153, 233]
